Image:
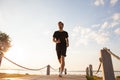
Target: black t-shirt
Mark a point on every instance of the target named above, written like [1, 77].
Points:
[62, 36]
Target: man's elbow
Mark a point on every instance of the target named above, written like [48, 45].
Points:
[53, 40]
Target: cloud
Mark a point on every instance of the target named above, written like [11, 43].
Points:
[102, 2]
[117, 31]
[113, 2]
[99, 2]
[116, 16]
[105, 25]
[113, 24]
[113, 21]
[96, 25]
[83, 35]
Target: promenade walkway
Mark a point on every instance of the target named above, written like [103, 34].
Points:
[51, 77]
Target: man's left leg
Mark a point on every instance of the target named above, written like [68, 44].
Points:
[62, 65]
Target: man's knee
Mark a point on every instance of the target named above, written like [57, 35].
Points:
[62, 61]
[62, 57]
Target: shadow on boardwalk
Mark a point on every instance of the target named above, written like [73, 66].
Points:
[52, 77]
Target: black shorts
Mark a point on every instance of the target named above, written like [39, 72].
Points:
[61, 51]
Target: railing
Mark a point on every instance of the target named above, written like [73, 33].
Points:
[48, 67]
[106, 63]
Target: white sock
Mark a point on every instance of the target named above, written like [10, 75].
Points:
[60, 73]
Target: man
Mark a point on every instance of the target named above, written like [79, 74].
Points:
[60, 37]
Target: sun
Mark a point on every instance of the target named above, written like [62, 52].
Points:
[16, 55]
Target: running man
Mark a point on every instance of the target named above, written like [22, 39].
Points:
[60, 37]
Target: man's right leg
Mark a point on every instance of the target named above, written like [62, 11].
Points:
[59, 61]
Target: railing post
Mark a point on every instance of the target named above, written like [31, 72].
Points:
[1, 56]
[65, 71]
[90, 70]
[87, 71]
[48, 70]
[108, 72]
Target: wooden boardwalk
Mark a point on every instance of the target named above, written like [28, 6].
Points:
[52, 77]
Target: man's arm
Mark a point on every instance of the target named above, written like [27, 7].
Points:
[67, 42]
[56, 41]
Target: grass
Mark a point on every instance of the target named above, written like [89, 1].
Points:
[98, 78]
[93, 78]
[118, 76]
[6, 75]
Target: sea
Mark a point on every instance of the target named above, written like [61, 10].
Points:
[52, 72]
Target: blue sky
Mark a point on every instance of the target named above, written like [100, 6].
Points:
[91, 24]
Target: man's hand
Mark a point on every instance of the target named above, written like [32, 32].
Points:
[58, 41]
[67, 44]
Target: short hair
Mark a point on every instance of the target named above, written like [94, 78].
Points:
[60, 23]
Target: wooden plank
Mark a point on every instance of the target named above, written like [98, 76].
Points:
[1, 56]
[108, 72]
[51, 77]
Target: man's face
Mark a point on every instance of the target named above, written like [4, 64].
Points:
[60, 26]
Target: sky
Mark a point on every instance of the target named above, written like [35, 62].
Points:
[91, 24]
